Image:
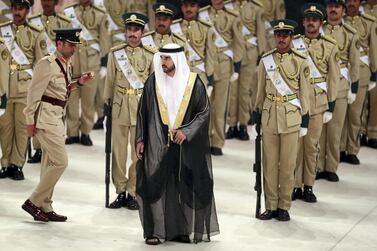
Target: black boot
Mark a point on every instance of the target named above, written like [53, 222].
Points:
[309, 195]
[268, 215]
[72, 140]
[283, 215]
[343, 156]
[372, 143]
[132, 203]
[232, 132]
[4, 172]
[242, 133]
[120, 201]
[216, 151]
[321, 175]
[352, 159]
[297, 193]
[36, 158]
[85, 140]
[16, 173]
[99, 124]
[333, 177]
[363, 140]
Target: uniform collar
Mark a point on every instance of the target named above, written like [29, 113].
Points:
[309, 40]
[281, 56]
[333, 27]
[166, 35]
[134, 49]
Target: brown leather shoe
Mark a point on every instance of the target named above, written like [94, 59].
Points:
[34, 211]
[52, 216]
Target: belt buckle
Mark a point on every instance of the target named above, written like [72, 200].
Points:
[13, 67]
[285, 98]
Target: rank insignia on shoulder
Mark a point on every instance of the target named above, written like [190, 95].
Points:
[43, 44]
[4, 54]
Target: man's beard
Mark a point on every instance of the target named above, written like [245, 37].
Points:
[167, 69]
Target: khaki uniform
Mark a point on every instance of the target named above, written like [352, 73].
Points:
[228, 25]
[161, 40]
[86, 59]
[6, 11]
[370, 124]
[32, 43]
[3, 71]
[366, 27]
[323, 51]
[273, 9]
[349, 57]
[50, 23]
[281, 122]
[199, 35]
[48, 80]
[243, 90]
[124, 100]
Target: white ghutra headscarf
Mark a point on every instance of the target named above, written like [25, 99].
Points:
[172, 88]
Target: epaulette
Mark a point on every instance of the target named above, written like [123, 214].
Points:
[204, 22]
[6, 23]
[118, 47]
[50, 58]
[350, 28]
[269, 53]
[329, 39]
[150, 49]
[233, 12]
[297, 36]
[204, 8]
[99, 8]
[177, 20]
[299, 54]
[34, 16]
[63, 17]
[34, 27]
[256, 2]
[179, 37]
[368, 17]
[149, 33]
[71, 5]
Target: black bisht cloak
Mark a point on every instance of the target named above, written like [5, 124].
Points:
[192, 179]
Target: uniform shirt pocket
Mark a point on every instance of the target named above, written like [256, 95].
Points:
[23, 81]
[320, 97]
[266, 112]
[49, 114]
[292, 115]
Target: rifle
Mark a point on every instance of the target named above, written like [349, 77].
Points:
[29, 150]
[108, 111]
[257, 168]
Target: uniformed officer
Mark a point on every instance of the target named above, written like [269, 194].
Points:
[273, 9]
[366, 27]
[46, 100]
[243, 90]
[321, 52]
[92, 54]
[369, 127]
[349, 58]
[283, 102]
[229, 49]
[47, 21]
[25, 46]
[128, 67]
[114, 10]
[5, 11]
[200, 40]
[164, 13]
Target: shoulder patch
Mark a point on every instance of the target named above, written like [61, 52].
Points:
[150, 49]
[179, 37]
[368, 17]
[50, 58]
[64, 17]
[34, 27]
[204, 22]
[256, 2]
[99, 8]
[177, 20]
[329, 39]
[350, 28]
[269, 53]
[299, 54]
[233, 12]
[148, 33]
[6, 23]
[118, 47]
[34, 16]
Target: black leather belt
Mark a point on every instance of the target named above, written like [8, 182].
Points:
[53, 101]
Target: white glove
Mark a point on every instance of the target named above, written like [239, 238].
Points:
[327, 116]
[2, 111]
[209, 90]
[303, 131]
[234, 76]
[351, 97]
[102, 72]
[371, 85]
[253, 134]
